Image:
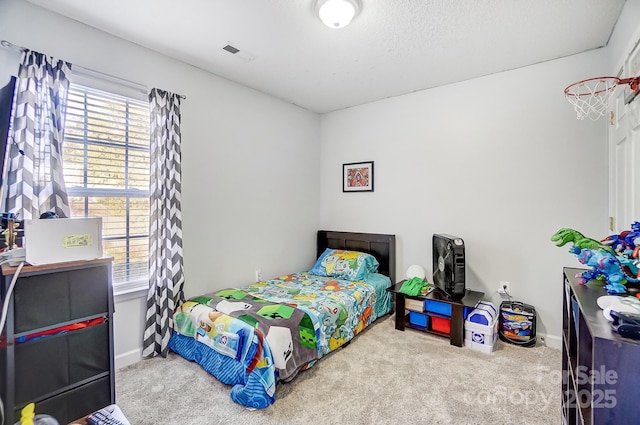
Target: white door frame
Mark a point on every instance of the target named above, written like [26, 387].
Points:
[624, 149]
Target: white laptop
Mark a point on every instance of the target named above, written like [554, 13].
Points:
[57, 240]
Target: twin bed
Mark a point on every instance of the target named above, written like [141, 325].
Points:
[251, 337]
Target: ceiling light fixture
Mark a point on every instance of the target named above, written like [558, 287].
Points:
[337, 13]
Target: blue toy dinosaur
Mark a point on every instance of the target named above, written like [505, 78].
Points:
[625, 243]
[605, 265]
[614, 259]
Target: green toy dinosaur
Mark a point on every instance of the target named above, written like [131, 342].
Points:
[566, 235]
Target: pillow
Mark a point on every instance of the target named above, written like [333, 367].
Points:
[347, 265]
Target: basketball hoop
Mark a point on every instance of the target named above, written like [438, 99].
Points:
[590, 98]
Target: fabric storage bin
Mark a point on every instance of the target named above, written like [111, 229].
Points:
[47, 300]
[413, 304]
[437, 307]
[45, 365]
[440, 324]
[418, 319]
[77, 402]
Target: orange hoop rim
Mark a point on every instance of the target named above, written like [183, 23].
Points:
[634, 85]
[614, 83]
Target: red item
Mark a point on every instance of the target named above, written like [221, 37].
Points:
[441, 324]
[67, 328]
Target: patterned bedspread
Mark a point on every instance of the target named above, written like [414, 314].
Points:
[300, 316]
[342, 308]
[220, 320]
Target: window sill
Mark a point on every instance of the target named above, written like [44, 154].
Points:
[131, 290]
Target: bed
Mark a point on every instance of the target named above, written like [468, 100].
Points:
[254, 336]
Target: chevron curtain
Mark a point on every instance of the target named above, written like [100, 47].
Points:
[166, 276]
[35, 181]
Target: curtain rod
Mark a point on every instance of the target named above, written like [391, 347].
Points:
[10, 45]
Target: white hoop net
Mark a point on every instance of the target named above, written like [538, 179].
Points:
[590, 98]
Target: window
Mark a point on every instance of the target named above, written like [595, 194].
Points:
[106, 171]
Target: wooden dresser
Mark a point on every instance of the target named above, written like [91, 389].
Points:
[57, 348]
[600, 368]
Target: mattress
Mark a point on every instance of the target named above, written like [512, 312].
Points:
[251, 337]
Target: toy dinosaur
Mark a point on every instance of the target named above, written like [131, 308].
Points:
[566, 235]
[605, 264]
[614, 260]
[626, 242]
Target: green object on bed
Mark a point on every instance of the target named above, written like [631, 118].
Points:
[413, 286]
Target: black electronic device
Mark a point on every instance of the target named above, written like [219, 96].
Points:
[449, 265]
[626, 324]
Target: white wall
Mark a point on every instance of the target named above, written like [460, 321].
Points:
[250, 162]
[500, 161]
[624, 37]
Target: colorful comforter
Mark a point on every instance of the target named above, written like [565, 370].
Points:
[271, 330]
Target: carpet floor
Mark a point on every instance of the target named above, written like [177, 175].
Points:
[383, 377]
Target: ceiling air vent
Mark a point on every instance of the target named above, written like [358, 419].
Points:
[237, 52]
[229, 48]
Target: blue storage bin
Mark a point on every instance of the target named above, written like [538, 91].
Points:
[437, 307]
[418, 319]
[466, 311]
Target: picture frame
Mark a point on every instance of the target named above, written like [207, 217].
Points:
[357, 177]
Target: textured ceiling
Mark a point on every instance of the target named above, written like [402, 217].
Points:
[391, 48]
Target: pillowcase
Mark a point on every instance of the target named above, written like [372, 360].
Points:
[346, 265]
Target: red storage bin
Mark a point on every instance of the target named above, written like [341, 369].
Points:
[440, 324]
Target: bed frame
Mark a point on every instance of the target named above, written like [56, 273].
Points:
[383, 247]
[248, 385]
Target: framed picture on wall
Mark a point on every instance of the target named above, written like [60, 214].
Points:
[357, 177]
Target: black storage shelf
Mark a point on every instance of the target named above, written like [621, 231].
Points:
[600, 372]
[456, 319]
[69, 374]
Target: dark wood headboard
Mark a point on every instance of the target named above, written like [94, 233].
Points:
[383, 247]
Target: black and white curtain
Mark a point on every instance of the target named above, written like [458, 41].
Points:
[166, 276]
[35, 181]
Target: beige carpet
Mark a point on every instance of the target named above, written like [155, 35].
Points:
[384, 377]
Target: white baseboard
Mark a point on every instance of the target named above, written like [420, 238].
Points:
[552, 341]
[129, 358]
